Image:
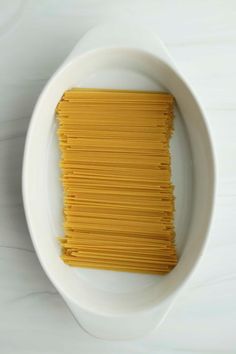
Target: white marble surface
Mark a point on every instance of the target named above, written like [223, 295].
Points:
[35, 36]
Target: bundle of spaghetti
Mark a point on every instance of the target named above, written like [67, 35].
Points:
[116, 175]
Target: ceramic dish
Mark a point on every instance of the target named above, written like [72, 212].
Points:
[108, 304]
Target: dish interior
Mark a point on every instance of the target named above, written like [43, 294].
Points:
[110, 291]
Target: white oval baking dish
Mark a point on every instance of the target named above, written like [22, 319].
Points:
[108, 304]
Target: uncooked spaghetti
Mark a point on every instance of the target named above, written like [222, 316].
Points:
[116, 176]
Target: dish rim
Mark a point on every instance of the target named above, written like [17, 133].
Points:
[25, 176]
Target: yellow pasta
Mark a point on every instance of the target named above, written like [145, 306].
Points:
[116, 175]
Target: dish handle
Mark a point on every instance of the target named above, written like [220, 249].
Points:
[121, 327]
[121, 34]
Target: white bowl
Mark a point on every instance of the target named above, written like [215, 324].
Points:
[108, 304]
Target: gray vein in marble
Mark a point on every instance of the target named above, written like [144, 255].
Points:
[14, 18]
[33, 294]
[18, 248]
